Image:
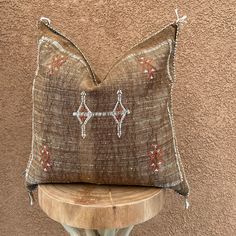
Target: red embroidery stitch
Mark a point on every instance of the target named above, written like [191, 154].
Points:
[148, 68]
[56, 63]
[45, 159]
[156, 157]
[83, 116]
[119, 109]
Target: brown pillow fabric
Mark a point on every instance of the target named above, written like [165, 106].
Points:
[113, 130]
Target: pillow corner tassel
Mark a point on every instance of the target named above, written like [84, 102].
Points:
[30, 192]
[180, 20]
[45, 20]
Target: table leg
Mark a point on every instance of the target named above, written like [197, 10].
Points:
[107, 232]
[125, 231]
[103, 232]
[71, 230]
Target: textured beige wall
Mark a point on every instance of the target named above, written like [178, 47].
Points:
[204, 99]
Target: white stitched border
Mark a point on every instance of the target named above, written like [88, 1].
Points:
[150, 49]
[168, 60]
[174, 141]
[60, 48]
[32, 95]
[178, 22]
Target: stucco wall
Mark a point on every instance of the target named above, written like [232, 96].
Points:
[204, 100]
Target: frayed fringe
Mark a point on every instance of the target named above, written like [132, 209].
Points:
[30, 190]
[31, 197]
[23, 173]
[187, 204]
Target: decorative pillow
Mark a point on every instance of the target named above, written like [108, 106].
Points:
[113, 130]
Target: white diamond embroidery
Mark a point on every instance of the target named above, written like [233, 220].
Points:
[84, 114]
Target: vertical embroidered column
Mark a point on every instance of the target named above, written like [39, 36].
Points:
[119, 113]
[83, 114]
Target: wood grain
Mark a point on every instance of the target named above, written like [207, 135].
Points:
[90, 206]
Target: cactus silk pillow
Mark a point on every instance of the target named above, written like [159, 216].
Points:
[114, 130]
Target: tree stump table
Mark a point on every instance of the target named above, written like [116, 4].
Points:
[99, 210]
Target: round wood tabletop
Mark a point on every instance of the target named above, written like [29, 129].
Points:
[91, 206]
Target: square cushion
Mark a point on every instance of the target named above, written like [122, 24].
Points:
[113, 130]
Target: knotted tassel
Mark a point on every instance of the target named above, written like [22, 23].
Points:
[46, 20]
[180, 20]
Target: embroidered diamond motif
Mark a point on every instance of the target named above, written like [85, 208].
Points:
[84, 114]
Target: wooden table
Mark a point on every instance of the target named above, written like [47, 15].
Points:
[105, 210]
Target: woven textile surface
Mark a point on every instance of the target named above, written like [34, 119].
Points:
[113, 130]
